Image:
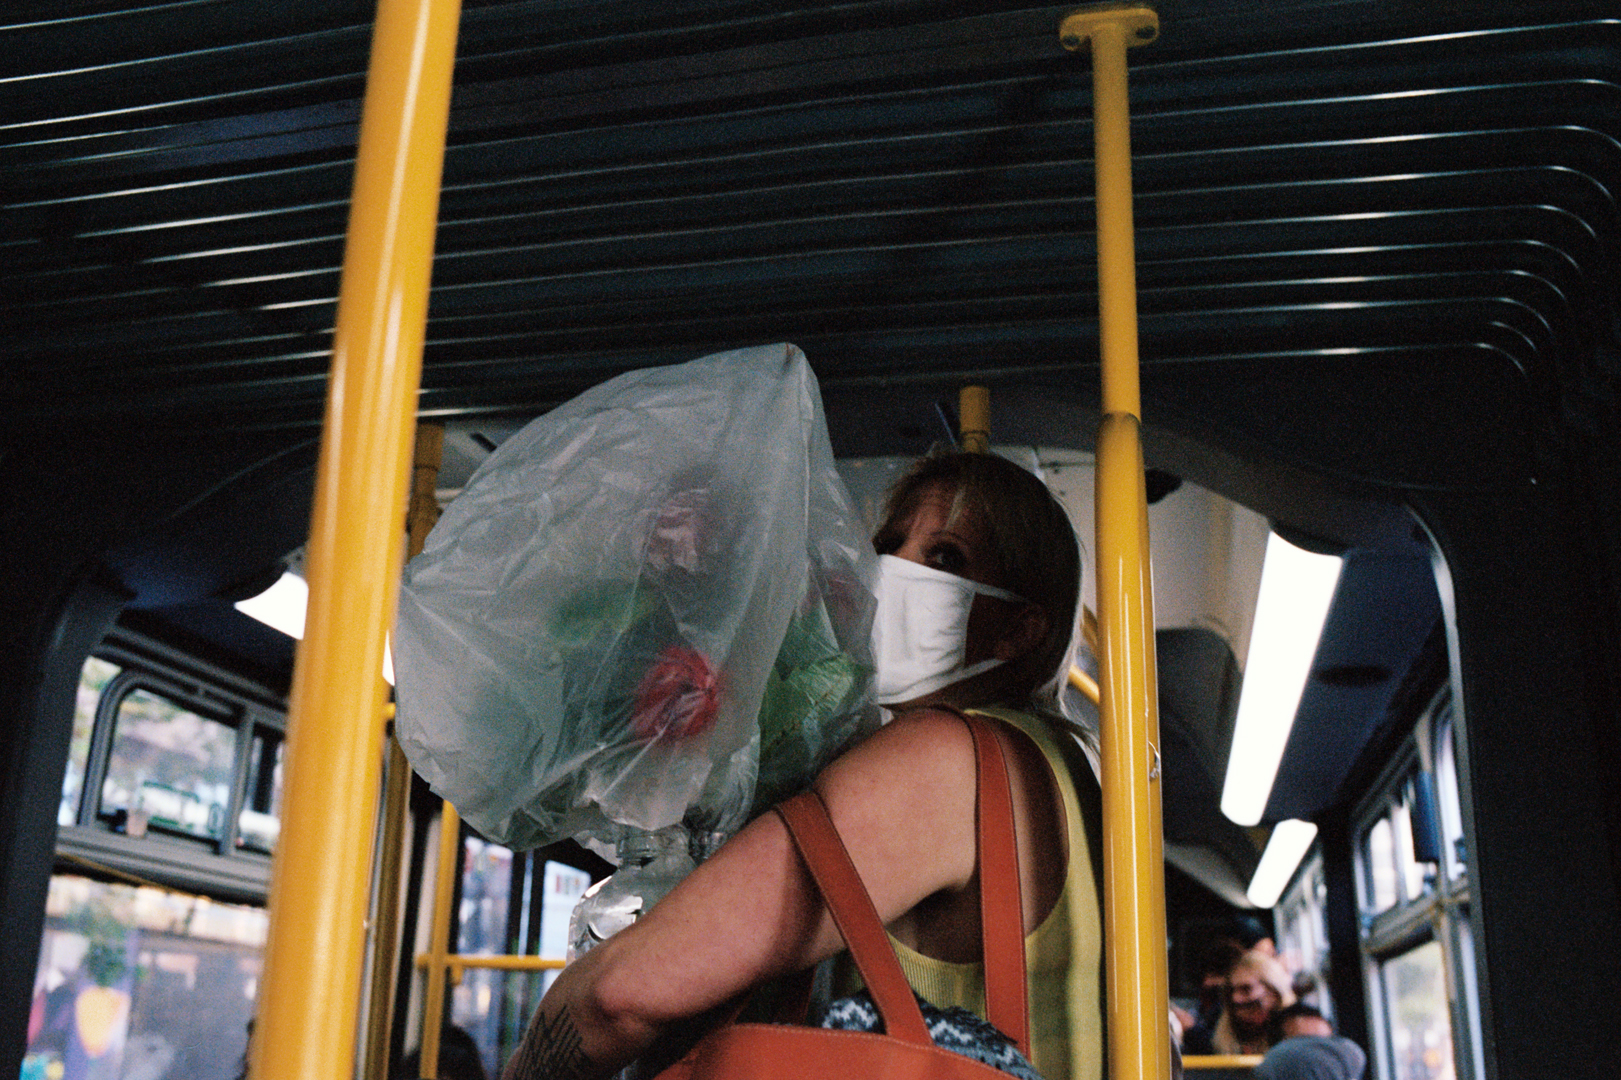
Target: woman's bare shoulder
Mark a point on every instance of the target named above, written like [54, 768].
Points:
[919, 747]
[903, 800]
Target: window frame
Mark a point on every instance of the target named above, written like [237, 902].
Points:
[210, 866]
[1304, 902]
[1443, 911]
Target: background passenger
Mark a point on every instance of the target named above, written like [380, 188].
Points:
[1216, 961]
[458, 1058]
[1308, 1049]
[1258, 986]
[1299, 1019]
[1253, 936]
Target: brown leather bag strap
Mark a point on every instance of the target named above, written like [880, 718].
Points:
[853, 913]
[1001, 908]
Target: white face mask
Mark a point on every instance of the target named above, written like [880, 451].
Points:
[920, 630]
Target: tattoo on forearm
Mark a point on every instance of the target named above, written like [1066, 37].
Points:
[551, 1051]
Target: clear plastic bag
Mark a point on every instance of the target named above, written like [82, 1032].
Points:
[641, 605]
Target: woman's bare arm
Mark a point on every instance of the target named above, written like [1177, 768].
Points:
[903, 801]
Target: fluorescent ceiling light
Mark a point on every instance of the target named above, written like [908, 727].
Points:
[1289, 843]
[1296, 589]
[281, 606]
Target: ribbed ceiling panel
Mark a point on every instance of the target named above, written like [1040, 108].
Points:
[1340, 205]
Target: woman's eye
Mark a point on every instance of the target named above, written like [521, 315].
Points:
[947, 557]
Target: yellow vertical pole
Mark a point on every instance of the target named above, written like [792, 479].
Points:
[420, 517]
[308, 1010]
[444, 891]
[1133, 852]
[974, 418]
[386, 918]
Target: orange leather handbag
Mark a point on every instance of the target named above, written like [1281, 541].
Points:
[904, 1051]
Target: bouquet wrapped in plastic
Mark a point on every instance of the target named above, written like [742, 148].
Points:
[649, 607]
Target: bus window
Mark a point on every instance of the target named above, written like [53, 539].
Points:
[93, 679]
[510, 903]
[483, 926]
[1420, 1023]
[1424, 1012]
[1414, 875]
[1379, 854]
[1446, 779]
[259, 823]
[169, 767]
[1302, 922]
[175, 772]
[140, 981]
[155, 972]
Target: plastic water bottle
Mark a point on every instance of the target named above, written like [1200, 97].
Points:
[650, 865]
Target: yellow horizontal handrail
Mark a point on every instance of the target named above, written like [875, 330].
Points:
[456, 961]
[1221, 1061]
[1087, 685]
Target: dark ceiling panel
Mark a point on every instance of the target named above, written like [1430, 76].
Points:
[1353, 219]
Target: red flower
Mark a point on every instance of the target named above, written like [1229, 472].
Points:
[678, 697]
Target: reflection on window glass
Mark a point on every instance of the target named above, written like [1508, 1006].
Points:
[495, 1006]
[140, 982]
[486, 888]
[563, 887]
[1381, 857]
[486, 897]
[93, 678]
[260, 821]
[1420, 1026]
[169, 767]
[1293, 937]
[1319, 908]
[1446, 783]
[1412, 871]
[1302, 938]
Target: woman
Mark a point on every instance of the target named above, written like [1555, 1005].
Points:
[977, 597]
[1258, 986]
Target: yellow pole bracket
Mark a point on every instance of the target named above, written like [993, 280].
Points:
[1133, 848]
[308, 1017]
[1111, 29]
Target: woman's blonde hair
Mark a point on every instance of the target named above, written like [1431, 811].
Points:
[1270, 970]
[1033, 545]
